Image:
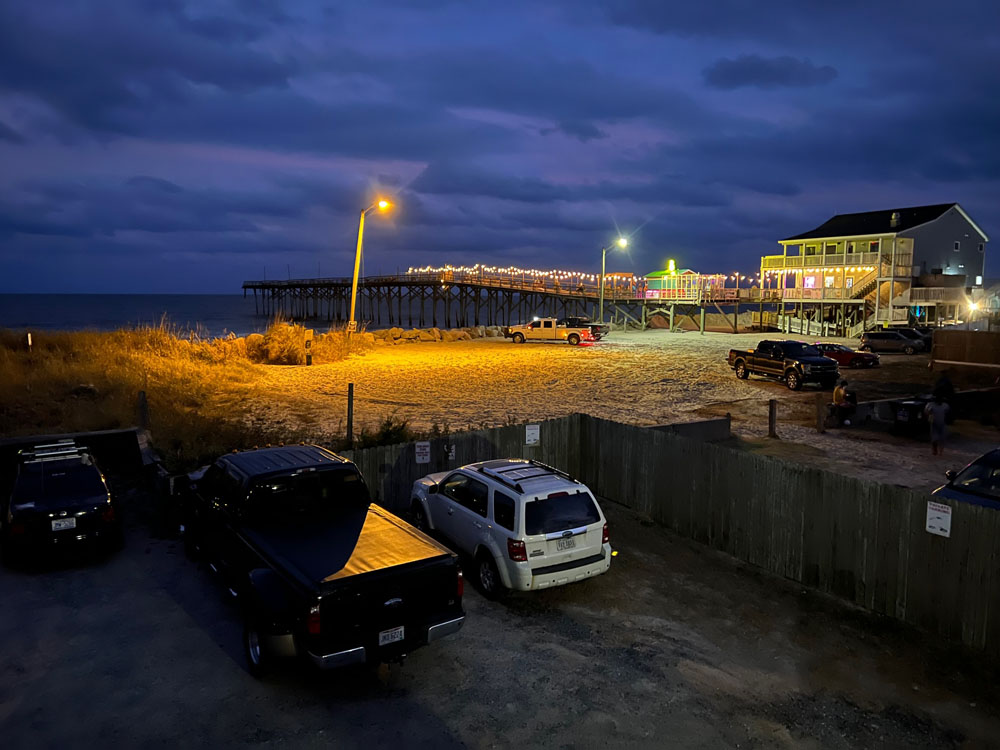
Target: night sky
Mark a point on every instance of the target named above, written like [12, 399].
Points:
[171, 146]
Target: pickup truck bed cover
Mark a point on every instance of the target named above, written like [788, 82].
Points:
[385, 542]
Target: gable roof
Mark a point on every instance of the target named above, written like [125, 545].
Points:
[875, 222]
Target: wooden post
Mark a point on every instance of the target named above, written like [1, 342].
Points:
[350, 414]
[142, 411]
[703, 320]
[772, 418]
[820, 412]
[309, 342]
[671, 318]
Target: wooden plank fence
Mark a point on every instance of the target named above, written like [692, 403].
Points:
[863, 541]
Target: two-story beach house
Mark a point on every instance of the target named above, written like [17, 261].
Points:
[894, 267]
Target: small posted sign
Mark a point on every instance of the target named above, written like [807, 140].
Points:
[938, 519]
[423, 452]
[532, 434]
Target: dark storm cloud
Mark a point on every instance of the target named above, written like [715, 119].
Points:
[767, 73]
[91, 62]
[8, 133]
[141, 204]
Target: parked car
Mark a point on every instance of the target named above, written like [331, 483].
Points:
[549, 329]
[890, 341]
[597, 330]
[916, 334]
[526, 525]
[60, 500]
[845, 356]
[978, 483]
[319, 571]
[795, 362]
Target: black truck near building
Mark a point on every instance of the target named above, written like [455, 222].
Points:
[319, 571]
[794, 362]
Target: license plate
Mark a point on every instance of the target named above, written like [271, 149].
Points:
[58, 524]
[390, 636]
[562, 544]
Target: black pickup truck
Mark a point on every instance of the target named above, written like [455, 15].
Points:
[318, 570]
[792, 361]
[597, 330]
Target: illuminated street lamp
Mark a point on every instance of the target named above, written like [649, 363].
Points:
[621, 242]
[381, 205]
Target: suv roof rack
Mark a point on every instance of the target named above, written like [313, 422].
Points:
[521, 471]
[56, 451]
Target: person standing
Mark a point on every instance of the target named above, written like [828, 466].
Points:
[937, 412]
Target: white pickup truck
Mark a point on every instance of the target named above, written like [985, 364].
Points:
[548, 329]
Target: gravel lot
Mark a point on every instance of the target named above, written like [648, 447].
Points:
[675, 647]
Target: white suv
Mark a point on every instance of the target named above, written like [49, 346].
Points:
[526, 525]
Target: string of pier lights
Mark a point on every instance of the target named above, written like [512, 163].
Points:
[515, 271]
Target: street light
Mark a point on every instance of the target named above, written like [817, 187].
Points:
[381, 205]
[621, 242]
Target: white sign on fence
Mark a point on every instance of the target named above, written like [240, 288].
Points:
[938, 519]
[451, 452]
[423, 451]
[532, 434]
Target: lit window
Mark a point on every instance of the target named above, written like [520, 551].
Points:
[958, 246]
[979, 281]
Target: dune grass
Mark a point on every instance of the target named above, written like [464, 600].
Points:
[200, 391]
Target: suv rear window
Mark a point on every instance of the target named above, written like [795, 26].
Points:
[560, 513]
[54, 484]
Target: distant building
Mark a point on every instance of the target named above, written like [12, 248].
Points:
[894, 267]
[683, 285]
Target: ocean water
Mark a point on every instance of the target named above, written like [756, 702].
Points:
[210, 314]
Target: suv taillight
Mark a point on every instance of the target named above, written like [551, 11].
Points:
[312, 621]
[605, 538]
[460, 589]
[516, 550]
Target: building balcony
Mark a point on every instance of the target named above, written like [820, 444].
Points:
[823, 260]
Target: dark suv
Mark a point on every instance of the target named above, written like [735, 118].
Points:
[890, 341]
[60, 500]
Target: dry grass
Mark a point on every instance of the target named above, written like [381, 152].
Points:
[197, 389]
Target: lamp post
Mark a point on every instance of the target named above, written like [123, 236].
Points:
[381, 205]
[621, 242]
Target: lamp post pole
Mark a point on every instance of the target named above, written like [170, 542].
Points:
[622, 242]
[382, 205]
[352, 324]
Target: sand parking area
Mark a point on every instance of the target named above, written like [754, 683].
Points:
[644, 378]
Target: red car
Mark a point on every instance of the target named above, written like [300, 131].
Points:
[846, 356]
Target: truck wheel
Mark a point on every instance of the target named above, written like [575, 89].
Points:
[488, 577]
[518, 338]
[573, 339]
[259, 662]
[419, 516]
[909, 350]
[741, 370]
[793, 381]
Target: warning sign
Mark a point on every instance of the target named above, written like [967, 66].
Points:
[938, 519]
[423, 451]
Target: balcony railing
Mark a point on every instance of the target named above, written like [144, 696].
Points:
[823, 260]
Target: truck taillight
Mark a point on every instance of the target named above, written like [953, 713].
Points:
[109, 514]
[17, 528]
[604, 535]
[312, 621]
[516, 550]
[460, 590]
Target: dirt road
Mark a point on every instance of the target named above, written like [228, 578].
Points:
[675, 647]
